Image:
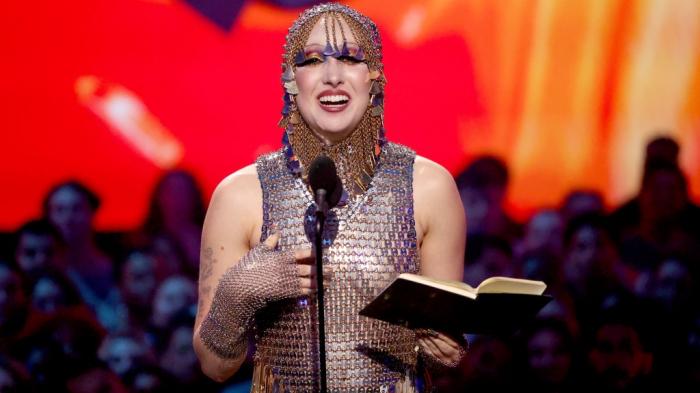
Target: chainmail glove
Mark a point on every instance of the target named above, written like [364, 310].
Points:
[262, 276]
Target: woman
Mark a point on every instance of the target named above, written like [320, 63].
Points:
[384, 225]
[71, 207]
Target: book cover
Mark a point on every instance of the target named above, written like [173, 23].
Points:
[499, 305]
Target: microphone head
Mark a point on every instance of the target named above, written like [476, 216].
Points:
[324, 175]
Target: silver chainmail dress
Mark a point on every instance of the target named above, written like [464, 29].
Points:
[367, 242]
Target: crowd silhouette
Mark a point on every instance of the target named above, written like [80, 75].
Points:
[87, 311]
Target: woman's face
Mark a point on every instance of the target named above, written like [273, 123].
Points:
[48, 296]
[548, 356]
[333, 93]
[70, 212]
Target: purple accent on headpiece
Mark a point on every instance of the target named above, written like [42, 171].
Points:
[287, 75]
[345, 51]
[378, 100]
[328, 50]
[287, 104]
[300, 57]
[360, 54]
[285, 139]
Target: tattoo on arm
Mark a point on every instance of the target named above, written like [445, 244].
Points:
[206, 268]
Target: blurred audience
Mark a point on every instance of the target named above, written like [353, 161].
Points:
[173, 227]
[544, 233]
[139, 279]
[52, 291]
[71, 208]
[549, 356]
[482, 186]
[619, 349]
[37, 247]
[123, 352]
[487, 256]
[581, 202]
[77, 316]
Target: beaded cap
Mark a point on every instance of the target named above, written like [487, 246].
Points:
[297, 32]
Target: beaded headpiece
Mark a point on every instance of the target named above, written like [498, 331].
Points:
[356, 156]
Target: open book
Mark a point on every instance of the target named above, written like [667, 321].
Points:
[499, 305]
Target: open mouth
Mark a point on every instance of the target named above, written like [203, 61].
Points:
[334, 102]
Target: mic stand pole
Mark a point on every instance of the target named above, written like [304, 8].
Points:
[321, 212]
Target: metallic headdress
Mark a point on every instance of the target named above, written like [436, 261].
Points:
[356, 156]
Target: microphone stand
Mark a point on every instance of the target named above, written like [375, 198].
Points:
[321, 213]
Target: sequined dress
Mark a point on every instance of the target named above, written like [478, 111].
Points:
[367, 242]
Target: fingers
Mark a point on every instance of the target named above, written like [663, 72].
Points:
[304, 255]
[306, 270]
[446, 342]
[440, 346]
[441, 339]
[430, 347]
[271, 241]
[308, 285]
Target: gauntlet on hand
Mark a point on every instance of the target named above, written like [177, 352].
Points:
[263, 275]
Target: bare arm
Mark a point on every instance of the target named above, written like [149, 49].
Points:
[231, 228]
[238, 277]
[440, 221]
[441, 230]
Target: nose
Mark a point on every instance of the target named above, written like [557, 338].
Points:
[333, 72]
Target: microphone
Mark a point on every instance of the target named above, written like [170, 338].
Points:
[327, 189]
[324, 176]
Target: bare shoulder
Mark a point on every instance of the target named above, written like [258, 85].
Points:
[239, 181]
[440, 221]
[435, 197]
[430, 176]
[237, 200]
[240, 187]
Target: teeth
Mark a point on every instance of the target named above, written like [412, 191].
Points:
[335, 99]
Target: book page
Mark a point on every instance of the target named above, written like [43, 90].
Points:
[511, 285]
[457, 287]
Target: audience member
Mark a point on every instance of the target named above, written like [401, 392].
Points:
[138, 282]
[550, 357]
[488, 256]
[620, 354]
[581, 202]
[482, 187]
[173, 226]
[52, 291]
[71, 207]
[37, 247]
[123, 352]
[544, 232]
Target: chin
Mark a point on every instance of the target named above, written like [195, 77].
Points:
[335, 134]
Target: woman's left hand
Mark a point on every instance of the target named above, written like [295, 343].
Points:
[440, 347]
